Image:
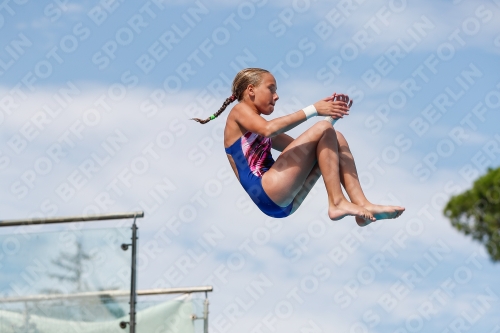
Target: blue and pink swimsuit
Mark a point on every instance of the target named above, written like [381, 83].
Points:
[252, 155]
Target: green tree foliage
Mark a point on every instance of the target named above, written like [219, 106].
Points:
[476, 212]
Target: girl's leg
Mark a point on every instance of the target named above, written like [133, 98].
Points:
[311, 179]
[286, 178]
[350, 181]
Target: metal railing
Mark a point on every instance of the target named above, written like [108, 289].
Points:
[90, 218]
[66, 219]
[121, 293]
[110, 293]
[133, 292]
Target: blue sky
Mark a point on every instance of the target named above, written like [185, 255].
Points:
[95, 105]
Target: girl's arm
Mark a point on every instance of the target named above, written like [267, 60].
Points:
[251, 121]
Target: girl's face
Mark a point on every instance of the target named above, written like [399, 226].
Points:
[264, 95]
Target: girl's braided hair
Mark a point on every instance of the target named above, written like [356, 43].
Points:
[241, 81]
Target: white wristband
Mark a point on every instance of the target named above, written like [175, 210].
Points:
[331, 120]
[310, 111]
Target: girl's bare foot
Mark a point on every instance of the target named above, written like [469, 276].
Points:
[346, 208]
[381, 212]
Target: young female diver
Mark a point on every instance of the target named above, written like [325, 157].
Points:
[278, 188]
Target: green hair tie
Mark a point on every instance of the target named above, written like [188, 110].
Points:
[212, 117]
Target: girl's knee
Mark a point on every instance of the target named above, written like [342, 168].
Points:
[322, 127]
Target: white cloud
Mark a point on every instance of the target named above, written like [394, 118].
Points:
[420, 23]
[216, 201]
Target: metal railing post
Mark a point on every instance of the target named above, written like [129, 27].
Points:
[133, 278]
[205, 314]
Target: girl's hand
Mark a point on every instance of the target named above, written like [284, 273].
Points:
[344, 98]
[336, 106]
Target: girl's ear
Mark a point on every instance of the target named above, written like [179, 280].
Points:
[250, 89]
